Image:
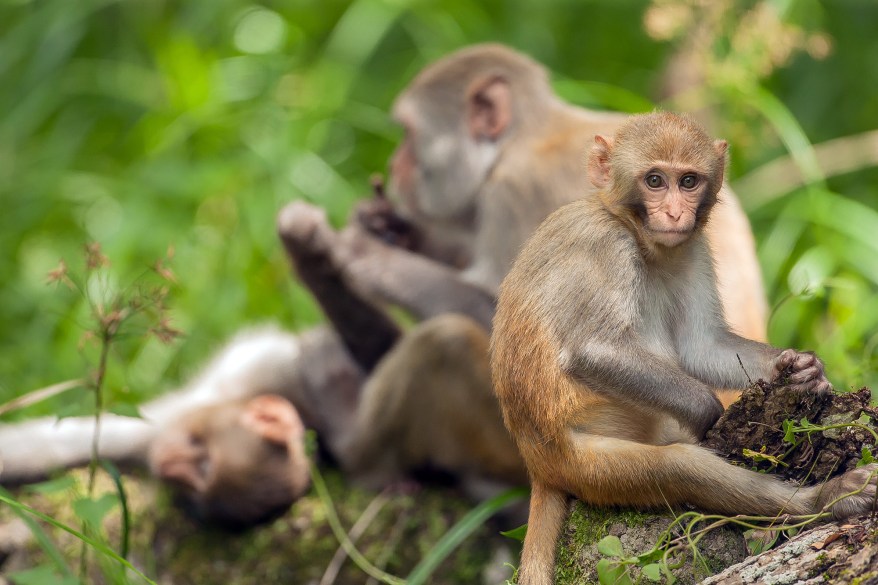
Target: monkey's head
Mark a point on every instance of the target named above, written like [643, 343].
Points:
[237, 463]
[457, 115]
[662, 173]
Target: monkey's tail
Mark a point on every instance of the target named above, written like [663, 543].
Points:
[548, 508]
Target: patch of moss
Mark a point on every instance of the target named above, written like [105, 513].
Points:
[585, 527]
[295, 548]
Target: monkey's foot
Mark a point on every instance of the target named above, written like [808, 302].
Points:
[303, 228]
[854, 492]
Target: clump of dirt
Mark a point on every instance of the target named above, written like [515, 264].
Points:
[761, 420]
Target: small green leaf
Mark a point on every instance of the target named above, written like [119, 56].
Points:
[789, 436]
[93, 511]
[516, 533]
[612, 572]
[759, 541]
[866, 456]
[758, 456]
[610, 546]
[53, 486]
[125, 409]
[653, 571]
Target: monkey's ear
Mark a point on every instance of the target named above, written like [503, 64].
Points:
[599, 161]
[721, 147]
[489, 108]
[273, 418]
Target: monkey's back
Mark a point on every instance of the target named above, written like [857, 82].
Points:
[544, 306]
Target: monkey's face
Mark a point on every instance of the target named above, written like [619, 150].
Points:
[234, 464]
[439, 167]
[672, 196]
[663, 172]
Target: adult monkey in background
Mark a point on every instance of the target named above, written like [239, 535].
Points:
[489, 151]
[609, 341]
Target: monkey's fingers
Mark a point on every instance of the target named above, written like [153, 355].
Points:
[785, 359]
[377, 182]
[796, 360]
[820, 386]
[806, 375]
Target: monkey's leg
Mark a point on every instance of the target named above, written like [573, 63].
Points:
[548, 509]
[608, 471]
[367, 331]
[429, 403]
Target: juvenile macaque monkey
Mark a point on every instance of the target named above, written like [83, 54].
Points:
[609, 339]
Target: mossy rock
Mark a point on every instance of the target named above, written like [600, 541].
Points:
[578, 555]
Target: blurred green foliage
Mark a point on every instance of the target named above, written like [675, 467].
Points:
[149, 124]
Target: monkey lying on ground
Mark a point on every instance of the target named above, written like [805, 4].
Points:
[609, 339]
[232, 443]
[227, 439]
[489, 152]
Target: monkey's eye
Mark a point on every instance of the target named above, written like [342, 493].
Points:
[689, 181]
[654, 181]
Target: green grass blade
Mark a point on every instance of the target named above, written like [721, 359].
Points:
[40, 535]
[6, 498]
[124, 539]
[790, 132]
[460, 531]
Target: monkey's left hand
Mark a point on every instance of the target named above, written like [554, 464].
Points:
[806, 371]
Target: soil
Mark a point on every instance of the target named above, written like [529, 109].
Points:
[759, 421]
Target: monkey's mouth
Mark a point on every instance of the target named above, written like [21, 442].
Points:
[671, 237]
[681, 232]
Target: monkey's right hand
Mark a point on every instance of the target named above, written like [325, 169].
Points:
[704, 415]
[805, 371]
[378, 217]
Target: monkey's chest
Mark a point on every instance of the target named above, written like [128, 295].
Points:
[659, 315]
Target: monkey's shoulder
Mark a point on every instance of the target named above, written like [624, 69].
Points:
[582, 236]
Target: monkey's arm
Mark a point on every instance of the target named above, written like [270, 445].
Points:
[731, 361]
[421, 286]
[345, 269]
[367, 332]
[723, 359]
[625, 369]
[30, 450]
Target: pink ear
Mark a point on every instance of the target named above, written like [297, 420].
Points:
[273, 418]
[599, 161]
[489, 108]
[721, 147]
